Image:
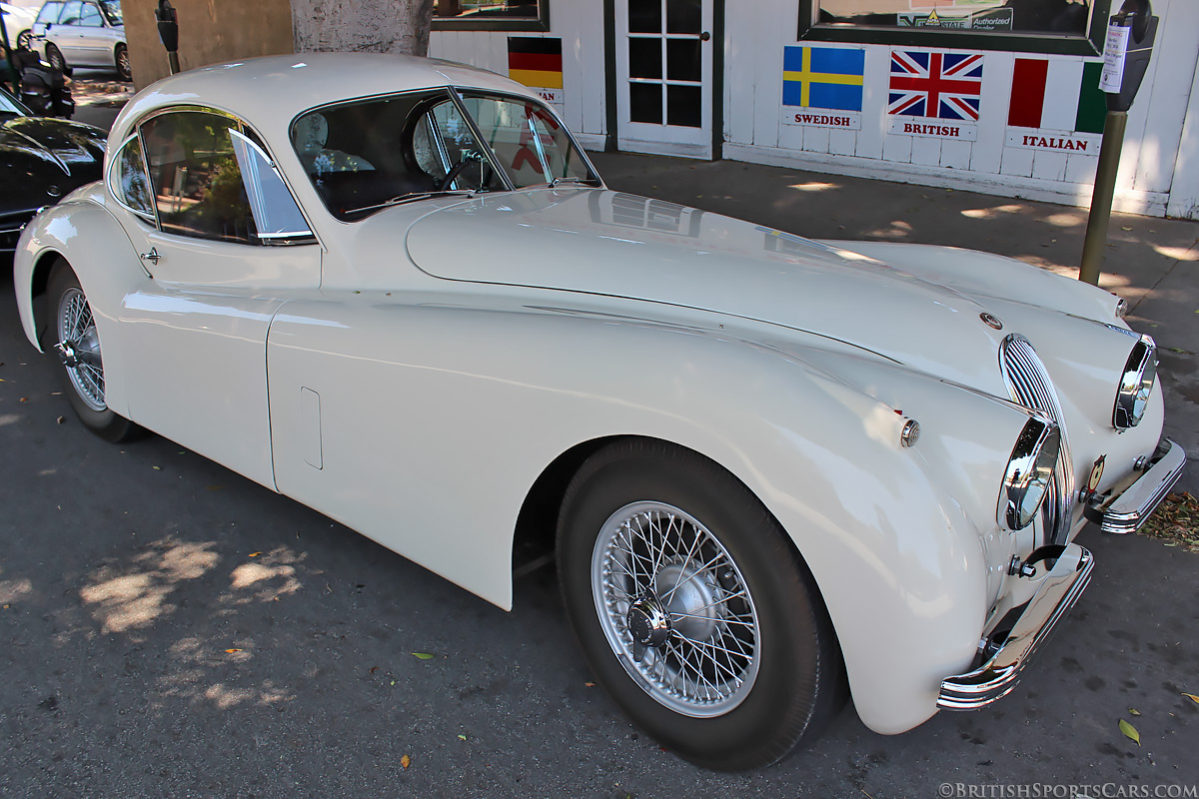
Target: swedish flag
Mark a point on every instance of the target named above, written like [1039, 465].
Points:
[823, 77]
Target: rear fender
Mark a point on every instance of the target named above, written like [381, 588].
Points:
[104, 260]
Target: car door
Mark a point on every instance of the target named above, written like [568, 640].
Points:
[92, 39]
[225, 246]
[65, 33]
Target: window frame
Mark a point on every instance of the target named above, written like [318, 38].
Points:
[242, 128]
[539, 24]
[1046, 43]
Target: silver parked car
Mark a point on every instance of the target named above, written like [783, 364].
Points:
[82, 33]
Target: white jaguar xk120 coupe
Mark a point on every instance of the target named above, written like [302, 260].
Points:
[769, 467]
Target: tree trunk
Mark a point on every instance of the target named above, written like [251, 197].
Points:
[374, 26]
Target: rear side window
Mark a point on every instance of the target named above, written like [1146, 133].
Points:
[195, 176]
[128, 181]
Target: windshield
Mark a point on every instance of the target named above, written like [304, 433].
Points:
[368, 154]
[9, 105]
[112, 10]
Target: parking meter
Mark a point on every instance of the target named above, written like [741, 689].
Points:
[168, 32]
[1137, 17]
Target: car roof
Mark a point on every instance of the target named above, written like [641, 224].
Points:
[271, 91]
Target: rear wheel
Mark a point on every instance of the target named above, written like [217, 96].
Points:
[54, 58]
[692, 607]
[24, 39]
[72, 337]
[121, 59]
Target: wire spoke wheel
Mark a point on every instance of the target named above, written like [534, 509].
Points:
[675, 609]
[79, 346]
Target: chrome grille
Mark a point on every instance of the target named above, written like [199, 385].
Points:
[1030, 386]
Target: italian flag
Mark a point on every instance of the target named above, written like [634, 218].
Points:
[1057, 95]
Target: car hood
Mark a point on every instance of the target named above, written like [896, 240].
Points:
[608, 243]
[43, 159]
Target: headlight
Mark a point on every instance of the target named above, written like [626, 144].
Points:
[1136, 384]
[1029, 472]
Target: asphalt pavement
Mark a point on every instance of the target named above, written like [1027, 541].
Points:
[171, 629]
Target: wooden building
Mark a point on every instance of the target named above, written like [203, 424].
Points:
[999, 96]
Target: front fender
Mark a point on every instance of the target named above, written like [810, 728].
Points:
[104, 260]
[383, 411]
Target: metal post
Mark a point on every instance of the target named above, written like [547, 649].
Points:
[173, 61]
[1104, 194]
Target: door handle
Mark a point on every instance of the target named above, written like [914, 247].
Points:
[152, 256]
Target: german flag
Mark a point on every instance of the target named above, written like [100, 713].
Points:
[535, 61]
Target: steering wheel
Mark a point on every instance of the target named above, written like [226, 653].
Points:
[456, 170]
[453, 174]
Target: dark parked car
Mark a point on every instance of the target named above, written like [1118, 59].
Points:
[41, 159]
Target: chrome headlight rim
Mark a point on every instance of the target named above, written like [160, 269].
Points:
[1029, 469]
[1136, 385]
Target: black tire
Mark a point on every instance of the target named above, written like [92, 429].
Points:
[89, 408]
[799, 680]
[121, 59]
[24, 39]
[54, 58]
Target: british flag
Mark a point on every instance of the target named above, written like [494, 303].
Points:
[938, 85]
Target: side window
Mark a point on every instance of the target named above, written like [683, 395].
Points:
[128, 182]
[456, 145]
[195, 176]
[528, 142]
[49, 13]
[276, 215]
[90, 18]
[71, 14]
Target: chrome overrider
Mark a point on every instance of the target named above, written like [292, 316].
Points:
[1126, 507]
[995, 678]
[1120, 510]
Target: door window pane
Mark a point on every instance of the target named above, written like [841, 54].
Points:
[683, 104]
[197, 182]
[645, 103]
[683, 60]
[645, 58]
[71, 14]
[276, 215]
[49, 13]
[684, 16]
[645, 16]
[90, 18]
[529, 143]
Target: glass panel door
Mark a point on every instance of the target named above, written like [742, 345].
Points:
[664, 76]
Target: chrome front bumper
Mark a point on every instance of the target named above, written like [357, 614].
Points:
[1059, 590]
[1124, 511]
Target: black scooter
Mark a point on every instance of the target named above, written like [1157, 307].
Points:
[42, 88]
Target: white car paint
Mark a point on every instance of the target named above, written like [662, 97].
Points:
[413, 380]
